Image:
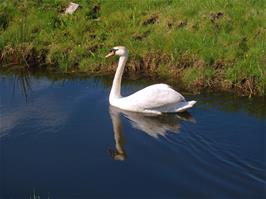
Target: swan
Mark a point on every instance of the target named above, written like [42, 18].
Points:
[154, 99]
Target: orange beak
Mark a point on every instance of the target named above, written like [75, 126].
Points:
[112, 53]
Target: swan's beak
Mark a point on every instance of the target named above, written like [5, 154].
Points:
[112, 53]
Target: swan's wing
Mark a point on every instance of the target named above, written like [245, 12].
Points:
[155, 96]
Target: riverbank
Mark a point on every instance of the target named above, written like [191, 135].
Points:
[206, 44]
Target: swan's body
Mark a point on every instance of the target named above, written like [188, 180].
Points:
[157, 98]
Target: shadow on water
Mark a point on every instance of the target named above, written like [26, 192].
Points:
[224, 101]
[255, 106]
[22, 80]
[155, 126]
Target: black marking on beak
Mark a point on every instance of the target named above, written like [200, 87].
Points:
[113, 50]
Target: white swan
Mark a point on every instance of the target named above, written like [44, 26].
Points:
[155, 99]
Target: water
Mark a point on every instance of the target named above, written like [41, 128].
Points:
[60, 139]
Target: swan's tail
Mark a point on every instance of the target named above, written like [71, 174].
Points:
[183, 106]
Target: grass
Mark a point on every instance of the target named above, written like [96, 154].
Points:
[205, 44]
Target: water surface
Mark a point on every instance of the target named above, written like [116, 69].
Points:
[60, 139]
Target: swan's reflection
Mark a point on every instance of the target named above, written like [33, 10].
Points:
[153, 125]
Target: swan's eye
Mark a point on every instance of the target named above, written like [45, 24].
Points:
[113, 50]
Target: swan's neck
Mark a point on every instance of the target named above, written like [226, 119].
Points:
[116, 87]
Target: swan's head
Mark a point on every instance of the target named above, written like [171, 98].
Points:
[118, 50]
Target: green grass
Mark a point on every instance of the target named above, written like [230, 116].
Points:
[209, 43]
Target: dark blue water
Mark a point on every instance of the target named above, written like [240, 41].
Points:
[60, 139]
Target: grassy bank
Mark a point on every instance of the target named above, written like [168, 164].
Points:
[205, 44]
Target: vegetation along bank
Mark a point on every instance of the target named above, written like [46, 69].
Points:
[218, 44]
